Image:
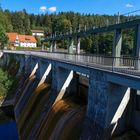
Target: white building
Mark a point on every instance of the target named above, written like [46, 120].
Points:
[16, 40]
[27, 41]
[39, 33]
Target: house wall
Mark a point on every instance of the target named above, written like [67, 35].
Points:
[16, 44]
[38, 34]
[27, 44]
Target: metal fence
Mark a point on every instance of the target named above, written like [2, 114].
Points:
[127, 65]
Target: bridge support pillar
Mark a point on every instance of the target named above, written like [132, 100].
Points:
[106, 107]
[137, 47]
[60, 76]
[42, 47]
[117, 45]
[64, 83]
[70, 46]
[54, 46]
[51, 47]
[78, 46]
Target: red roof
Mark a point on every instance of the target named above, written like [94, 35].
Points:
[12, 36]
[22, 38]
[27, 38]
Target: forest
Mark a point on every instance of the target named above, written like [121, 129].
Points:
[22, 22]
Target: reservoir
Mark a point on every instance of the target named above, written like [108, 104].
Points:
[8, 129]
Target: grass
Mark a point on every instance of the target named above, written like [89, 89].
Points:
[28, 48]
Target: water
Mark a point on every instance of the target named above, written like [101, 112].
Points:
[8, 129]
[34, 110]
[64, 121]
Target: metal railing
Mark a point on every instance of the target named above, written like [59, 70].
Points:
[126, 65]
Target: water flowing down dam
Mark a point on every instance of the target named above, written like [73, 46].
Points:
[66, 114]
[65, 120]
[32, 100]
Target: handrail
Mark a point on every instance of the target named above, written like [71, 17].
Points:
[90, 31]
[115, 64]
[126, 65]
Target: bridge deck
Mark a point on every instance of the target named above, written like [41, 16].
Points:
[126, 65]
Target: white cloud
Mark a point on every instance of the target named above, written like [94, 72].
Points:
[43, 9]
[52, 9]
[128, 5]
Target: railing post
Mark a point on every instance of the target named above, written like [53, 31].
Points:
[137, 47]
[112, 64]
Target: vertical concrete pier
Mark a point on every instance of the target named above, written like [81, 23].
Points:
[51, 47]
[54, 46]
[78, 45]
[70, 46]
[97, 107]
[117, 45]
[106, 105]
[137, 47]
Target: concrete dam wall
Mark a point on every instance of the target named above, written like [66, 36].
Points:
[59, 101]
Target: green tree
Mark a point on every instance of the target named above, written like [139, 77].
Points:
[5, 84]
[18, 22]
[63, 24]
[5, 21]
[3, 37]
[26, 22]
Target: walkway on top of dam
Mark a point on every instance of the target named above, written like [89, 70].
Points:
[116, 63]
[126, 66]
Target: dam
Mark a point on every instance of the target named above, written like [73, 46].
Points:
[62, 100]
[79, 97]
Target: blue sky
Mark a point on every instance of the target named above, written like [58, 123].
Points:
[82, 6]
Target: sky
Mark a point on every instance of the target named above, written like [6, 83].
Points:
[83, 6]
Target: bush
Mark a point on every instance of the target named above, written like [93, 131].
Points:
[5, 84]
